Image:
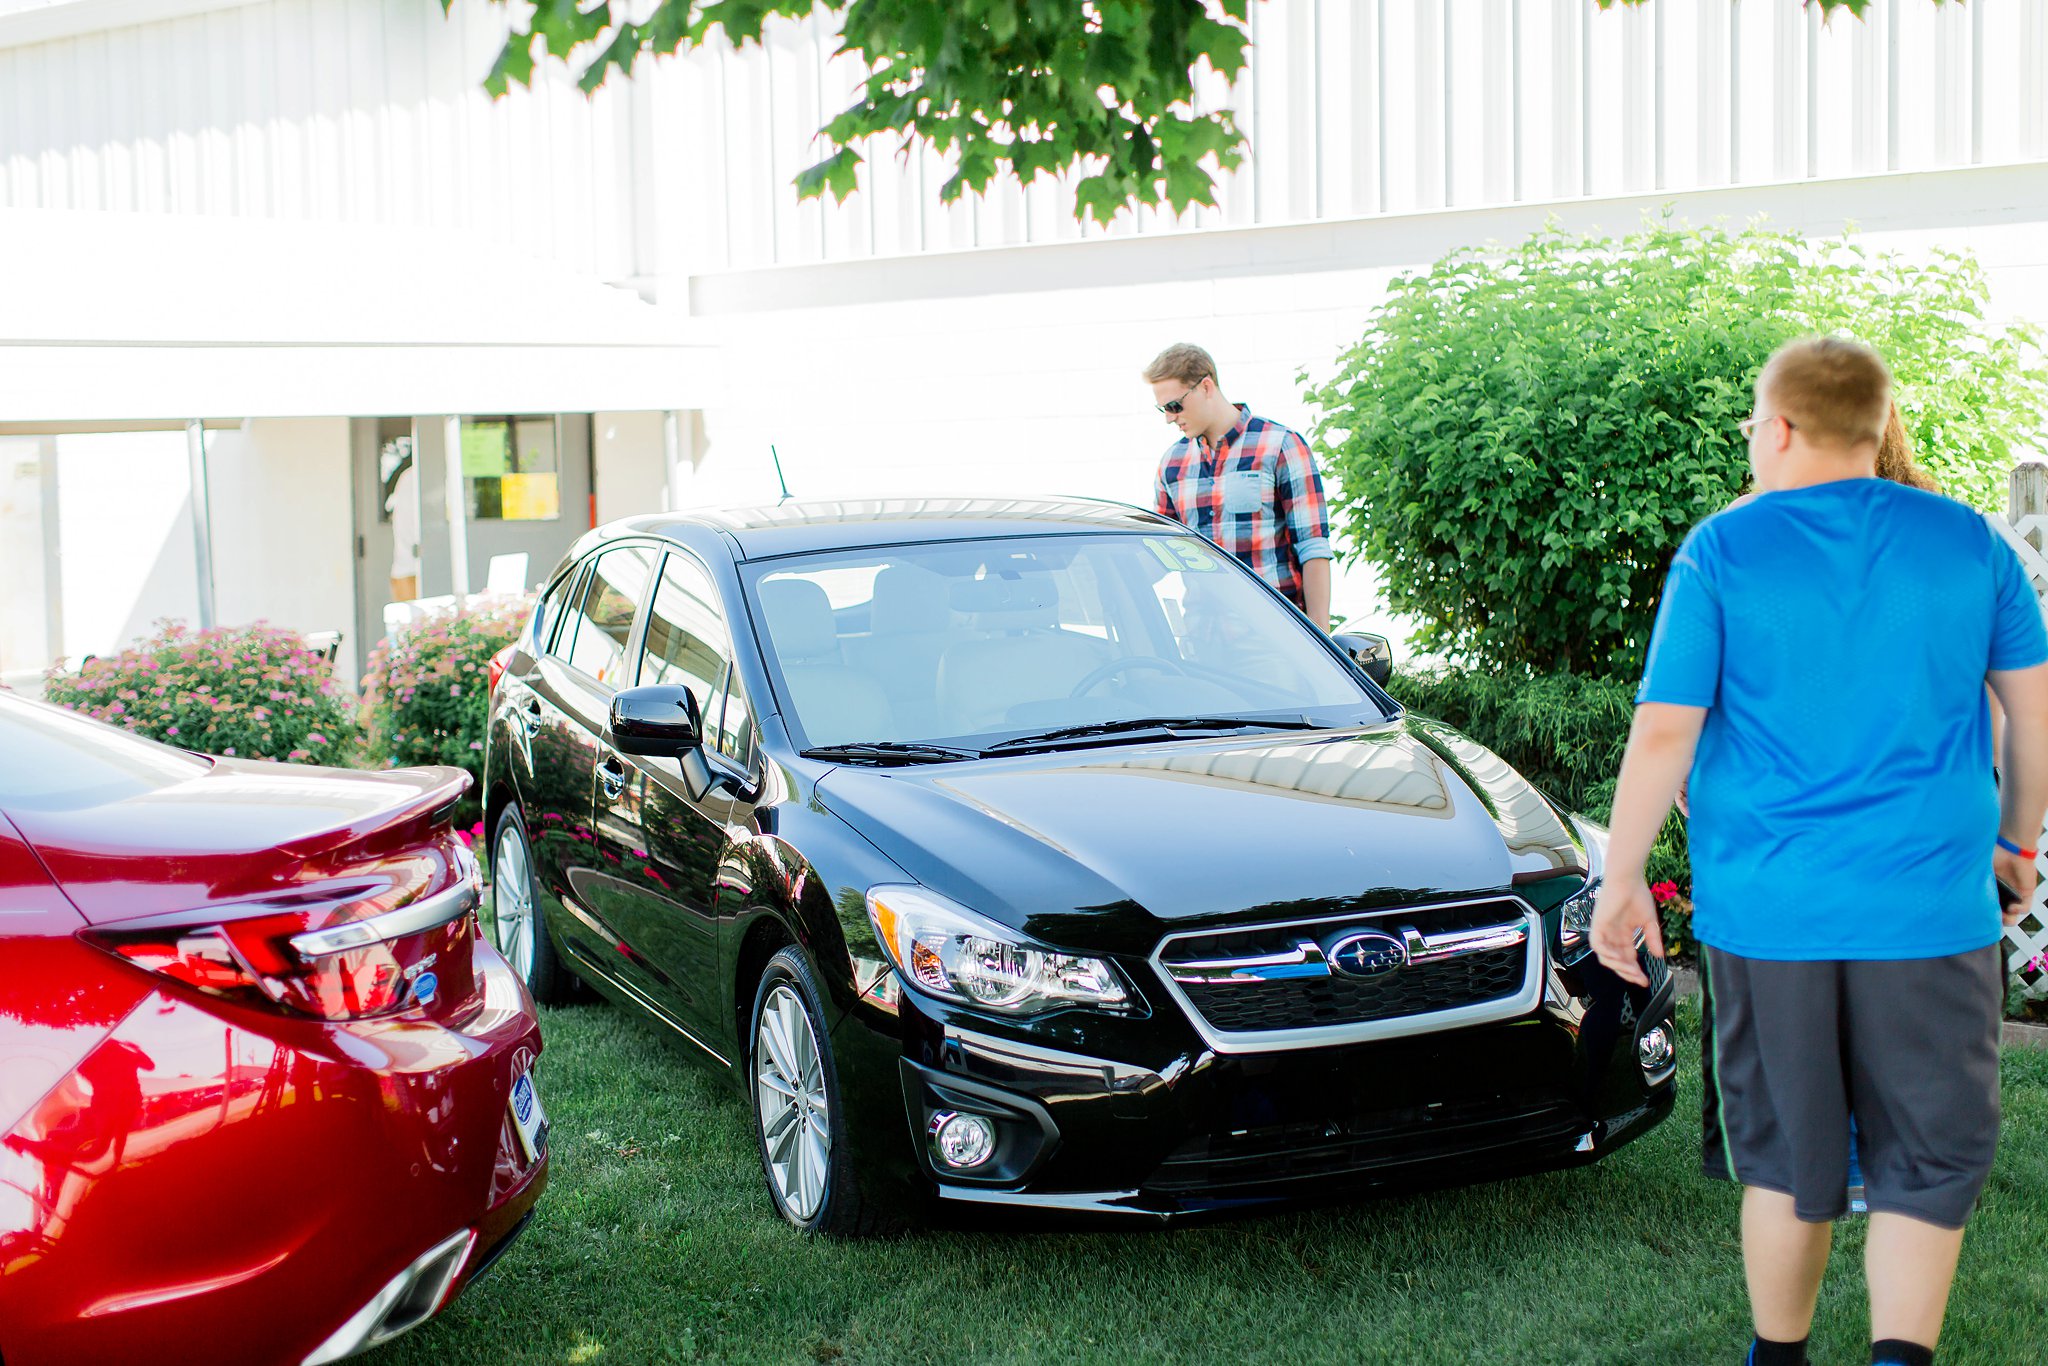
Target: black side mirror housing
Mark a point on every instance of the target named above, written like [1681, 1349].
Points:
[660, 720]
[1370, 652]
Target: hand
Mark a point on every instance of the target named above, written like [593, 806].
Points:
[1620, 911]
[2017, 873]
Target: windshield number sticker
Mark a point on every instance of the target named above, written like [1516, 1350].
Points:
[1180, 553]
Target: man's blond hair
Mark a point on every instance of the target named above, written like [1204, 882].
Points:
[1837, 392]
[1182, 361]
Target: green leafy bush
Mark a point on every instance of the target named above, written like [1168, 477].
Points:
[254, 692]
[1564, 733]
[425, 696]
[1522, 438]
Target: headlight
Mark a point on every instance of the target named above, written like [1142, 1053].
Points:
[1575, 918]
[946, 950]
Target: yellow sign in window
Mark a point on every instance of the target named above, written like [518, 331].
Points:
[530, 497]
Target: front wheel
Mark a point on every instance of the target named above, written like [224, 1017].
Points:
[798, 1118]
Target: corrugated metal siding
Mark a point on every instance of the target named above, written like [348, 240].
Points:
[369, 110]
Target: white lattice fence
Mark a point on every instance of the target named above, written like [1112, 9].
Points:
[2026, 527]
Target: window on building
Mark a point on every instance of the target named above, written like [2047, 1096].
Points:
[511, 469]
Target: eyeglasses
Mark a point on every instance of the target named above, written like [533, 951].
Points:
[1173, 409]
[1748, 425]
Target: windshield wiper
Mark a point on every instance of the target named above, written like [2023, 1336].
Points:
[1168, 724]
[892, 752]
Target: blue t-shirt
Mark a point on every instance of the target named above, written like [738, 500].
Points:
[1843, 805]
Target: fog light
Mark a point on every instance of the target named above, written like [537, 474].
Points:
[962, 1140]
[1654, 1050]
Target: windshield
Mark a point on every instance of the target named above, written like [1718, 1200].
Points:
[980, 640]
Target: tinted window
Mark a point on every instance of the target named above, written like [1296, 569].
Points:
[736, 725]
[687, 645]
[599, 622]
[57, 760]
[549, 613]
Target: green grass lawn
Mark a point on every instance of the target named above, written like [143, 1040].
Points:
[655, 1243]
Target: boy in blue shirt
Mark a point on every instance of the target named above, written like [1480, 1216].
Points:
[1818, 668]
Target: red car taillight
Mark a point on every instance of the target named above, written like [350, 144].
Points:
[366, 945]
[499, 663]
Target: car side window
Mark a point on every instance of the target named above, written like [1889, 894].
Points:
[736, 724]
[687, 642]
[599, 623]
[549, 614]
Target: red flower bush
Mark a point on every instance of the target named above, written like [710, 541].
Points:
[252, 692]
[425, 696]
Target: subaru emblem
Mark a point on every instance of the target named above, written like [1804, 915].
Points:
[425, 987]
[1368, 954]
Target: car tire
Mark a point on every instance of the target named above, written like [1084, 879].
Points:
[799, 1121]
[513, 923]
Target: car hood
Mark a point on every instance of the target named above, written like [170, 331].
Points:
[1108, 847]
[241, 828]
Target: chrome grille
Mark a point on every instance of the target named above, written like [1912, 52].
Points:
[1267, 987]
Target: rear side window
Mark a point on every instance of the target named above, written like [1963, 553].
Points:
[598, 624]
[687, 643]
[57, 760]
[549, 614]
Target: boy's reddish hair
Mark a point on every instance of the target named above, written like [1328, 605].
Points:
[1837, 392]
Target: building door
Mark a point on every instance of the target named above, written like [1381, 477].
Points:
[386, 479]
[526, 489]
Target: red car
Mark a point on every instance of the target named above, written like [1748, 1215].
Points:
[265, 1094]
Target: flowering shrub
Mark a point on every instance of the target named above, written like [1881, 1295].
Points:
[425, 694]
[255, 692]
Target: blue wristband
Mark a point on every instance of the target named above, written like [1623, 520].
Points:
[2012, 848]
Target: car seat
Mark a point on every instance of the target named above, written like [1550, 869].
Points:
[1025, 658]
[910, 624]
[834, 704]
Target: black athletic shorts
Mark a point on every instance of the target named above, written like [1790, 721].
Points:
[1790, 1050]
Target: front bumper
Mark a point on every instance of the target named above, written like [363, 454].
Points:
[1142, 1119]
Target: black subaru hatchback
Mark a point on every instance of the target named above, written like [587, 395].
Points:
[1037, 854]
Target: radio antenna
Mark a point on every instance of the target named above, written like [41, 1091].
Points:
[777, 458]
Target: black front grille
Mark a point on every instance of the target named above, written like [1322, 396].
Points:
[1314, 998]
[1220, 1163]
[1298, 1003]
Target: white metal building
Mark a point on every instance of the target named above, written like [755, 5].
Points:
[276, 246]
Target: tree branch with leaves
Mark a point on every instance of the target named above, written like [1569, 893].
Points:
[1104, 88]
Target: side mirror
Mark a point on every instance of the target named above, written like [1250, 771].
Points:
[1371, 653]
[660, 720]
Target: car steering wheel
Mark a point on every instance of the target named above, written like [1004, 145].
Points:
[1117, 666]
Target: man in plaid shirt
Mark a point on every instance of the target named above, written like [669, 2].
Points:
[1247, 484]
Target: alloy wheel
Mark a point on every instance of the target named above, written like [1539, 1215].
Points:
[511, 921]
[795, 1114]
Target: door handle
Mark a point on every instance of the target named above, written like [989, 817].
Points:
[611, 776]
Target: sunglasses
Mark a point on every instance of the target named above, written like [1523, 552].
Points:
[1750, 424]
[1173, 409]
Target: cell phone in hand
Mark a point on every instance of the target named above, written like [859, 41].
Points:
[2007, 896]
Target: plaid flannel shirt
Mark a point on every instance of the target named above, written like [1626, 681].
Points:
[1256, 493]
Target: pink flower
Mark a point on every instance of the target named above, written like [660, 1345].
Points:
[1663, 891]
[170, 730]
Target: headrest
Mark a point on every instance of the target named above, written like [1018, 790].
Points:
[800, 621]
[1000, 604]
[908, 599]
